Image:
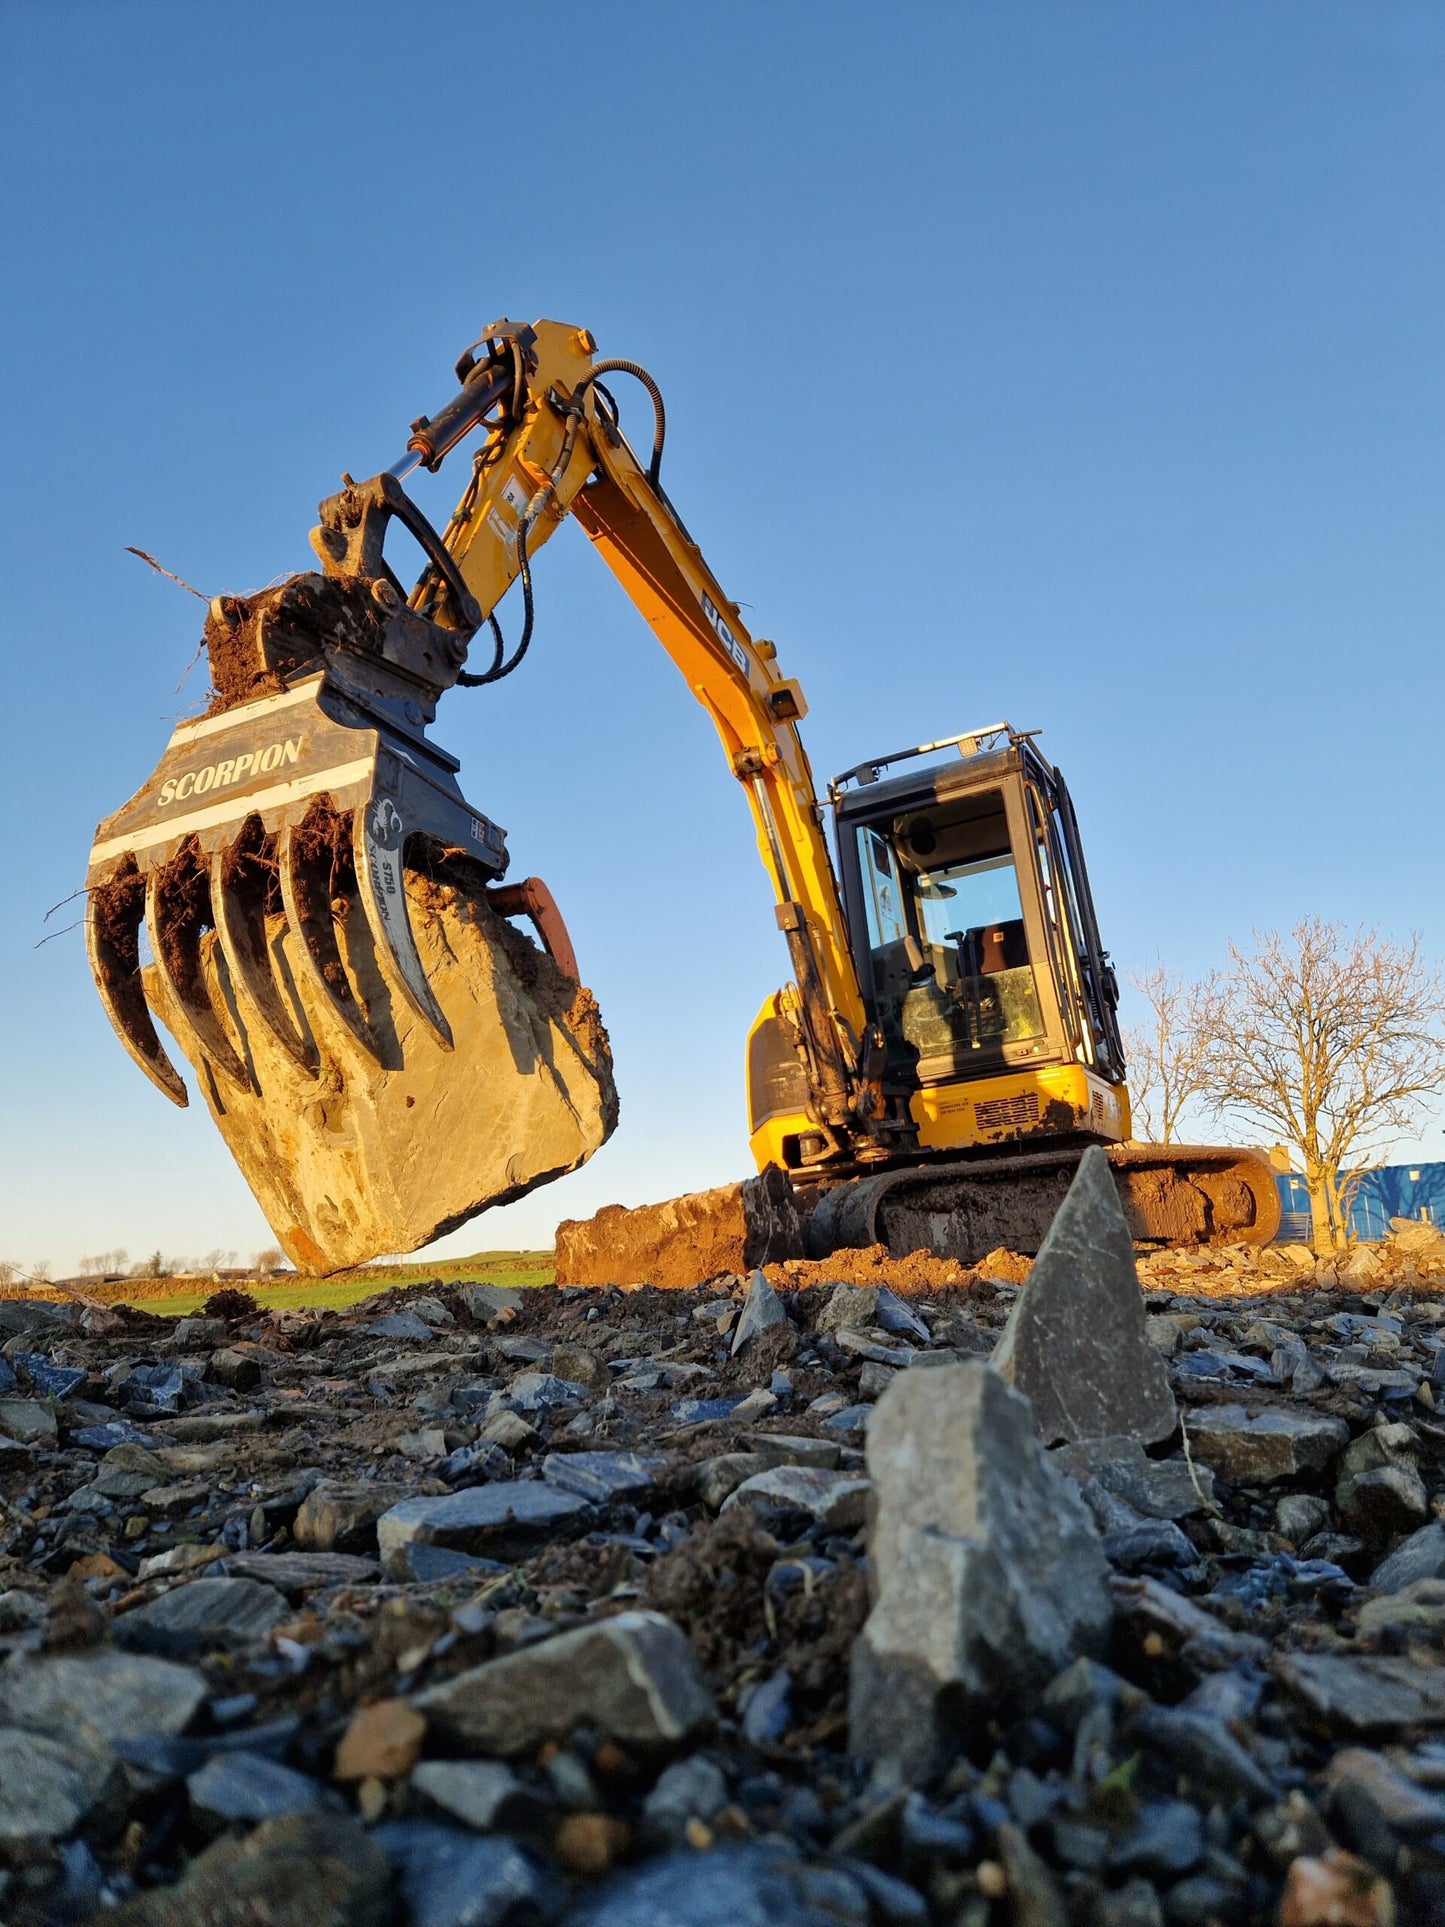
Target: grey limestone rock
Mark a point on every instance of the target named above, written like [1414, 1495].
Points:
[1159, 1488]
[691, 1789]
[46, 1786]
[1075, 1343]
[1422, 1556]
[483, 1794]
[1378, 1488]
[483, 1300]
[761, 1308]
[1370, 1697]
[633, 1677]
[835, 1500]
[103, 1696]
[1256, 1445]
[987, 1571]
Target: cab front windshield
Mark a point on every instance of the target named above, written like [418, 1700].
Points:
[949, 955]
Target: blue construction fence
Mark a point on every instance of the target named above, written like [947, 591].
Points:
[1394, 1191]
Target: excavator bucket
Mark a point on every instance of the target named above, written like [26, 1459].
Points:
[329, 940]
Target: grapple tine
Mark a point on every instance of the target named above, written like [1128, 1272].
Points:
[178, 909]
[379, 834]
[306, 892]
[113, 915]
[240, 872]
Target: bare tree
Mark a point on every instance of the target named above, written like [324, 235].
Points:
[265, 1262]
[10, 1272]
[1330, 1039]
[1166, 1051]
[39, 1272]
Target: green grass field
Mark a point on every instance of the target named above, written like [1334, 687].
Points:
[334, 1294]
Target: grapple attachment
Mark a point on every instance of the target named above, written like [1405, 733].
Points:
[383, 1052]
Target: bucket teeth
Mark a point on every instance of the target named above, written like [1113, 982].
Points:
[380, 835]
[114, 913]
[312, 854]
[178, 912]
[243, 878]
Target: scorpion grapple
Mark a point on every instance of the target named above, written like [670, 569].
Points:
[329, 935]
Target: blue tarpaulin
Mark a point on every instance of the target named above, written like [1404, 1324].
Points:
[1394, 1191]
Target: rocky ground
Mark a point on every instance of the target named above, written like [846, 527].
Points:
[473, 1605]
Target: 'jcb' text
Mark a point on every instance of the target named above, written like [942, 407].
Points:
[216, 776]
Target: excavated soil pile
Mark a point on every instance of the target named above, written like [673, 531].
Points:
[470, 1604]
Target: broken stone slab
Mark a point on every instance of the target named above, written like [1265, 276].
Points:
[1370, 1697]
[1075, 1344]
[298, 1871]
[337, 1517]
[606, 1477]
[389, 1161]
[1157, 1488]
[297, 1573]
[483, 1794]
[761, 1308]
[789, 1448]
[633, 1678]
[860, 1307]
[46, 1787]
[1257, 1445]
[203, 1614]
[986, 1570]
[507, 1514]
[704, 1234]
[836, 1501]
[1422, 1556]
[103, 1696]
[400, 1324]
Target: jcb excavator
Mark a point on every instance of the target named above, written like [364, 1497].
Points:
[947, 1045]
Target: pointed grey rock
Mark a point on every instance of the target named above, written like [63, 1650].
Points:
[987, 1570]
[1075, 1343]
[761, 1308]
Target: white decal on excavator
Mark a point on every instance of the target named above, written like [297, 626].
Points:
[217, 776]
[724, 635]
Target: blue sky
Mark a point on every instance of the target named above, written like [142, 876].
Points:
[1073, 364]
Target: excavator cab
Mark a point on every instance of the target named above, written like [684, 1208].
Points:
[973, 930]
[976, 947]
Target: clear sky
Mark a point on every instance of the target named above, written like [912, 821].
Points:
[1075, 364]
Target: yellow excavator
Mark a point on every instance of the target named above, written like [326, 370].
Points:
[331, 941]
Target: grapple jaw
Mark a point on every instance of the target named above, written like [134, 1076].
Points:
[277, 859]
[282, 806]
